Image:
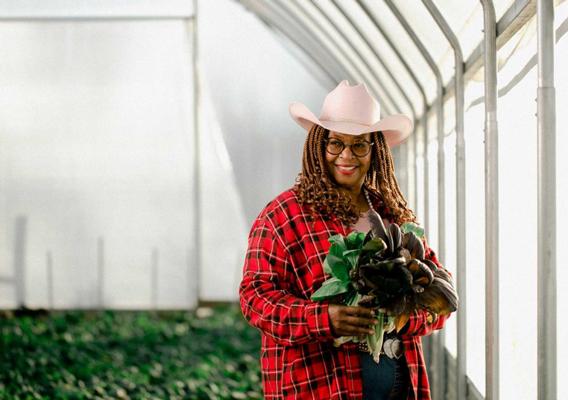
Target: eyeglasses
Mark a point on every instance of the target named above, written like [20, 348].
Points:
[359, 149]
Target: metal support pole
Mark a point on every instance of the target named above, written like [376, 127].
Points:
[546, 113]
[516, 16]
[460, 167]
[20, 246]
[196, 149]
[415, 148]
[426, 172]
[100, 272]
[154, 265]
[491, 205]
[49, 260]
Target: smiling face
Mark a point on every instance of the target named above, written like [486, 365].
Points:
[348, 170]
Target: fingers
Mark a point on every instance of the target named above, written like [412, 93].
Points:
[359, 311]
[360, 325]
[351, 321]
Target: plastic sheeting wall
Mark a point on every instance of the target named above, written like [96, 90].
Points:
[253, 75]
[97, 154]
[96, 162]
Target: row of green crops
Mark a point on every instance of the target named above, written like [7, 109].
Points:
[129, 355]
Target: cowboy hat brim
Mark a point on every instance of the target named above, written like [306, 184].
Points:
[396, 128]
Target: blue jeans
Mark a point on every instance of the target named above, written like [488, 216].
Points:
[387, 380]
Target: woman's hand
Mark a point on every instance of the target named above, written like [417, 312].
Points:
[351, 321]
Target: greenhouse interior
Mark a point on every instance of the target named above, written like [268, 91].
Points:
[141, 139]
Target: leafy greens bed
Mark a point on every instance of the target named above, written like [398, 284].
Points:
[129, 355]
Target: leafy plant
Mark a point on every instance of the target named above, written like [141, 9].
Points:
[386, 270]
[129, 355]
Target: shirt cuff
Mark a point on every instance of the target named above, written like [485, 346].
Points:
[319, 323]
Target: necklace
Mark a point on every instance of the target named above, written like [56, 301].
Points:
[368, 199]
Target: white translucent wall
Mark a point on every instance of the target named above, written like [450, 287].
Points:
[223, 227]
[517, 233]
[253, 75]
[98, 150]
[96, 157]
[248, 85]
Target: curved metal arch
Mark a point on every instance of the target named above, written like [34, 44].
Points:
[440, 128]
[276, 24]
[355, 26]
[439, 104]
[293, 26]
[306, 33]
[389, 41]
[460, 161]
[424, 121]
[373, 50]
[408, 69]
[364, 60]
[315, 23]
[330, 54]
[366, 63]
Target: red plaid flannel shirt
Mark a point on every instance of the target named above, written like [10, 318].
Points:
[283, 267]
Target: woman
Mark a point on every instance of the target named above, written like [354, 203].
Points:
[347, 169]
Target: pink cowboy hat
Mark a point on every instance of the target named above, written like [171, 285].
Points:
[353, 111]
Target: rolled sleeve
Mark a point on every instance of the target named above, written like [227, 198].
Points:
[422, 323]
[319, 324]
[265, 299]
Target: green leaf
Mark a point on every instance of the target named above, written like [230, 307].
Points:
[352, 256]
[338, 240]
[337, 250]
[339, 267]
[412, 227]
[330, 288]
[355, 240]
[326, 267]
[375, 245]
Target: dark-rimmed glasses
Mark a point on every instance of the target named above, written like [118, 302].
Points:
[359, 149]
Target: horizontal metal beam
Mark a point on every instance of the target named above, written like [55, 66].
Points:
[124, 18]
[88, 10]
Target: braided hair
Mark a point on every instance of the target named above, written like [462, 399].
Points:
[316, 188]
